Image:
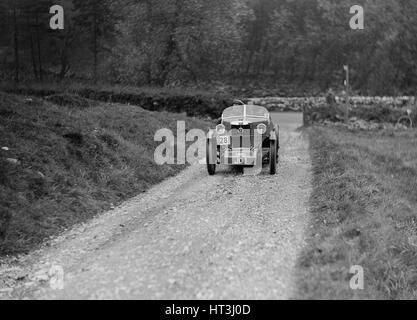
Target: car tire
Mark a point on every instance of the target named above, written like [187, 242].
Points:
[211, 168]
[272, 156]
[278, 151]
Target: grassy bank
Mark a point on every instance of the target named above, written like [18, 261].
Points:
[193, 102]
[364, 212]
[373, 112]
[62, 164]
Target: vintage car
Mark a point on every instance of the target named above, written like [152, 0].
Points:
[245, 136]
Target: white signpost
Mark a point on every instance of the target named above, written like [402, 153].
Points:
[347, 98]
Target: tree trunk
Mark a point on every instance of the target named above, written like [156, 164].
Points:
[16, 47]
[170, 48]
[165, 62]
[249, 62]
[38, 40]
[32, 51]
[64, 63]
[149, 36]
[95, 47]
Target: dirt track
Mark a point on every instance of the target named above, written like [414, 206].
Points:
[191, 237]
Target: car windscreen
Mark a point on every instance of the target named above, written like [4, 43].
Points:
[248, 111]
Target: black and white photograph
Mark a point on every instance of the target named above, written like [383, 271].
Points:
[208, 155]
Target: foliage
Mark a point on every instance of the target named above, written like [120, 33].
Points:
[179, 42]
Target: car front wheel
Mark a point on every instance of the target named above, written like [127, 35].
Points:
[211, 167]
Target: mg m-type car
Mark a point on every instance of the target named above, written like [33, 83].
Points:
[245, 136]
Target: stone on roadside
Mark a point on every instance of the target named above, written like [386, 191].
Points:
[13, 161]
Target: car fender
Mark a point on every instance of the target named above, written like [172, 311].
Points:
[211, 134]
[273, 135]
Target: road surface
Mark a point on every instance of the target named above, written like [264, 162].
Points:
[194, 236]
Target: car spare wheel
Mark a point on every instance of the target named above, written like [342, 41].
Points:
[272, 156]
[211, 167]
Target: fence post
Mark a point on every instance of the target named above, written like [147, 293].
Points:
[347, 94]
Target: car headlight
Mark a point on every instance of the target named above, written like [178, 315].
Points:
[220, 129]
[261, 128]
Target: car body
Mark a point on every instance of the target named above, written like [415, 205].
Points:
[245, 136]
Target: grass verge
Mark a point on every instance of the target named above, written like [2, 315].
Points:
[364, 212]
[62, 164]
[193, 102]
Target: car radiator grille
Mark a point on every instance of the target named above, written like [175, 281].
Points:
[241, 138]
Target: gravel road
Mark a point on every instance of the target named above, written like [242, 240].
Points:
[228, 236]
